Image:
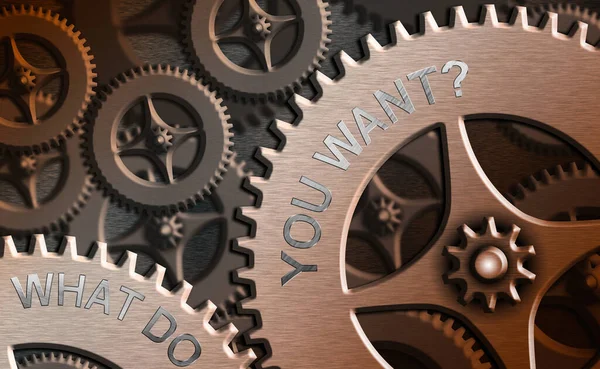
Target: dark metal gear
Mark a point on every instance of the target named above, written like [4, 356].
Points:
[442, 339]
[490, 264]
[55, 361]
[191, 158]
[21, 82]
[257, 29]
[25, 173]
[175, 235]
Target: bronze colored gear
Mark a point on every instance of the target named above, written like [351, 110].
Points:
[105, 323]
[273, 81]
[301, 269]
[490, 264]
[524, 135]
[545, 195]
[442, 339]
[40, 132]
[107, 152]
[56, 361]
[61, 205]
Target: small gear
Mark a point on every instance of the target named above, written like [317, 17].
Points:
[169, 231]
[30, 212]
[137, 304]
[196, 155]
[387, 215]
[261, 26]
[38, 132]
[214, 282]
[25, 78]
[55, 361]
[162, 139]
[276, 76]
[441, 338]
[489, 263]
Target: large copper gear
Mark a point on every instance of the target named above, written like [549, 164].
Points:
[104, 323]
[41, 131]
[272, 81]
[324, 309]
[209, 152]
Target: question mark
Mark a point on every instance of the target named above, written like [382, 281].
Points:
[464, 69]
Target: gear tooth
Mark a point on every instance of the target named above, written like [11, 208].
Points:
[347, 60]
[459, 16]
[372, 43]
[455, 251]
[467, 232]
[520, 15]
[489, 16]
[159, 275]
[525, 274]
[551, 24]
[249, 274]
[491, 299]
[546, 176]
[102, 254]
[184, 290]
[322, 79]
[560, 172]
[69, 247]
[400, 31]
[9, 246]
[428, 23]
[581, 33]
[38, 245]
[132, 263]
[513, 293]
[490, 226]
[514, 233]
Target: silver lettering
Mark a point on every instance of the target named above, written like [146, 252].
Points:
[172, 326]
[131, 294]
[312, 207]
[78, 290]
[287, 231]
[422, 75]
[189, 361]
[333, 143]
[100, 296]
[404, 103]
[33, 281]
[359, 114]
[298, 268]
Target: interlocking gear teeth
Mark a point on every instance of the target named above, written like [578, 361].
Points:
[56, 361]
[215, 343]
[61, 124]
[302, 350]
[216, 127]
[227, 83]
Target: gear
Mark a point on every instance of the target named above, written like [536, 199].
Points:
[136, 305]
[343, 139]
[206, 140]
[214, 283]
[276, 76]
[168, 230]
[442, 338]
[56, 361]
[41, 131]
[490, 264]
[387, 215]
[564, 193]
[24, 173]
[162, 139]
[531, 138]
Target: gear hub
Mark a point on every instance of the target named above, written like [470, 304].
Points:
[385, 215]
[161, 139]
[490, 263]
[261, 26]
[169, 231]
[25, 79]
[28, 165]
